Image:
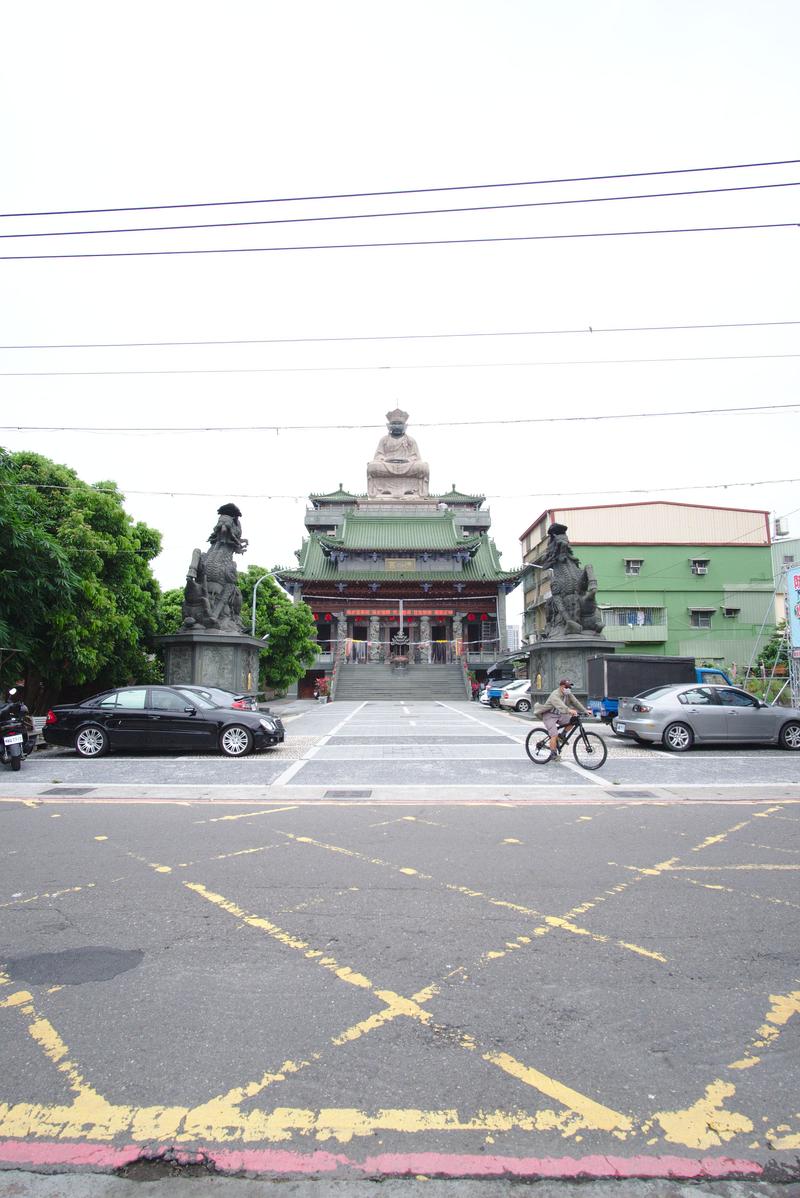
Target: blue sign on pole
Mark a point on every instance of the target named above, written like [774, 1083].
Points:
[793, 605]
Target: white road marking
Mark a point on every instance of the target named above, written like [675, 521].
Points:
[288, 774]
[491, 727]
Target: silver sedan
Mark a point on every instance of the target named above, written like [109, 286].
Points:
[681, 715]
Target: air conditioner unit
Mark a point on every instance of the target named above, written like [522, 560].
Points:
[781, 528]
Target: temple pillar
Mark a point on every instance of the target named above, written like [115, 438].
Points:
[374, 636]
[502, 628]
[458, 633]
[341, 631]
[425, 638]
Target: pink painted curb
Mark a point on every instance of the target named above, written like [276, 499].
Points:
[103, 1158]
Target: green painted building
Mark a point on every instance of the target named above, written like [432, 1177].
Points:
[673, 578]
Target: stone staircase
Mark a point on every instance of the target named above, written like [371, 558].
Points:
[418, 683]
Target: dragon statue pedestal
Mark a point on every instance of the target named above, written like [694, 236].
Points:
[211, 647]
[204, 657]
[565, 657]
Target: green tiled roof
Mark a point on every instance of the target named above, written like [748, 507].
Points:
[455, 496]
[430, 532]
[484, 566]
[451, 496]
[335, 495]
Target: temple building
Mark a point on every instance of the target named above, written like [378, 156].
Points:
[401, 580]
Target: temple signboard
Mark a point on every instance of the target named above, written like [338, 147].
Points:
[400, 565]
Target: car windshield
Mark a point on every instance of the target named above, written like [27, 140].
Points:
[197, 699]
[655, 692]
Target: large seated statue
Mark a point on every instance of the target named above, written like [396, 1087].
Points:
[396, 471]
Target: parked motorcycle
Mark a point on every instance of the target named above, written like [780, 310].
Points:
[17, 738]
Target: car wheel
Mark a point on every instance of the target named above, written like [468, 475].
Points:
[524, 705]
[236, 741]
[91, 742]
[678, 738]
[494, 702]
[790, 736]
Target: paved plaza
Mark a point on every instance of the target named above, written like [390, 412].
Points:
[395, 947]
[425, 751]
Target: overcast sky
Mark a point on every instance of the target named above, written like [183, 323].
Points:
[120, 105]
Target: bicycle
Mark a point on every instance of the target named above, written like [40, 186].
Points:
[588, 749]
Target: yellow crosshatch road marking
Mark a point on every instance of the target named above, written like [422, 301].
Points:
[707, 1122]
[762, 898]
[223, 819]
[554, 921]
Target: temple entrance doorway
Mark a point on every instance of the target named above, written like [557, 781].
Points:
[440, 645]
[360, 650]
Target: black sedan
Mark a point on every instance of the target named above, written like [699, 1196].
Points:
[158, 717]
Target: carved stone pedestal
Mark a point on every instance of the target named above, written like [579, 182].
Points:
[565, 657]
[207, 658]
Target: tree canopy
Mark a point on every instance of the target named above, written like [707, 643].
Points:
[79, 599]
[292, 645]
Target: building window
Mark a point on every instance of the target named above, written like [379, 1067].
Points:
[730, 613]
[632, 617]
[700, 618]
[700, 565]
[633, 565]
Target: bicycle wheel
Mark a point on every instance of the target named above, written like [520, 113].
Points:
[537, 745]
[589, 750]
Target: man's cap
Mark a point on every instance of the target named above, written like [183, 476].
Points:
[565, 682]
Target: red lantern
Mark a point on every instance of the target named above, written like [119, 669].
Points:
[484, 616]
[471, 616]
[328, 617]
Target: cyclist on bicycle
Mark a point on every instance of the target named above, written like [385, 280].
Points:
[555, 711]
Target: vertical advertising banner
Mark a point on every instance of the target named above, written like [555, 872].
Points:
[793, 604]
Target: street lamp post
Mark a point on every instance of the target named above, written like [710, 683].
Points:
[259, 581]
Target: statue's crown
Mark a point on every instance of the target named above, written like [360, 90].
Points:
[397, 414]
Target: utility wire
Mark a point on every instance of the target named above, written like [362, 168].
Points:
[302, 220]
[44, 374]
[123, 491]
[372, 245]
[588, 329]
[358, 195]
[317, 428]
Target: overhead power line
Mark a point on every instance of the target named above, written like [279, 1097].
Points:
[588, 329]
[592, 417]
[121, 490]
[358, 195]
[43, 374]
[303, 220]
[374, 245]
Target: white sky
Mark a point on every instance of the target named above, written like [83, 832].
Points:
[112, 105]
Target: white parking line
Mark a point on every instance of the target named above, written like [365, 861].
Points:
[296, 766]
[491, 727]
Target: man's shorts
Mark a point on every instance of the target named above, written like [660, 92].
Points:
[553, 720]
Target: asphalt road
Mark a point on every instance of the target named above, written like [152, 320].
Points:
[471, 967]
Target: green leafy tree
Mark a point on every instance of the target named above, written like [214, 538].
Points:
[170, 615]
[775, 654]
[292, 647]
[36, 573]
[93, 612]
